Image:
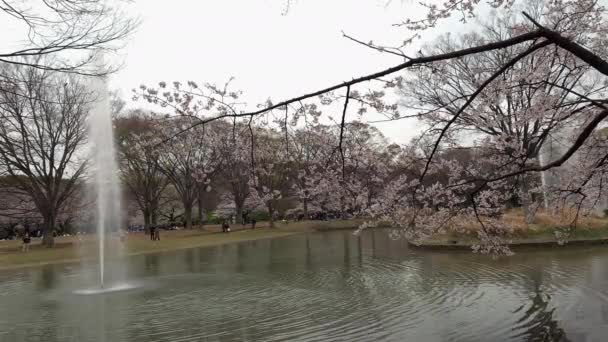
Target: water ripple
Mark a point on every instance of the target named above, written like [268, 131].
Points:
[367, 290]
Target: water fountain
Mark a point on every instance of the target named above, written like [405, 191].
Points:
[551, 150]
[108, 216]
[106, 174]
[554, 148]
[543, 178]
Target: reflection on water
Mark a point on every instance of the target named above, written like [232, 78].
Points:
[320, 287]
[538, 322]
[48, 278]
[151, 264]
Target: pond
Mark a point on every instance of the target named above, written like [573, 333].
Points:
[330, 286]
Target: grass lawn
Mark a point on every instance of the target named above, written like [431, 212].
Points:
[70, 248]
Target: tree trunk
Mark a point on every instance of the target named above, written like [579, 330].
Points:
[172, 215]
[239, 209]
[147, 222]
[48, 239]
[305, 204]
[201, 210]
[526, 203]
[188, 215]
[154, 212]
[154, 217]
[270, 213]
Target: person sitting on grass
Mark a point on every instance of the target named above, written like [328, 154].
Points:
[225, 227]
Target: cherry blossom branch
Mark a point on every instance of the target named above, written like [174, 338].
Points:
[580, 140]
[477, 216]
[579, 51]
[595, 102]
[598, 164]
[412, 62]
[402, 117]
[370, 77]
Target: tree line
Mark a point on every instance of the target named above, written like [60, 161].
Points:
[513, 114]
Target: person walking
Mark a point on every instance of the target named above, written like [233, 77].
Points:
[152, 232]
[253, 223]
[122, 236]
[26, 240]
[157, 234]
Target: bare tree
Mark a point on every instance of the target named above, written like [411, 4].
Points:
[15, 204]
[42, 131]
[71, 32]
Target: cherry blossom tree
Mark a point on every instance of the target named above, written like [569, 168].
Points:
[140, 171]
[189, 161]
[310, 150]
[325, 189]
[519, 112]
[271, 170]
[366, 165]
[236, 173]
[325, 182]
[564, 45]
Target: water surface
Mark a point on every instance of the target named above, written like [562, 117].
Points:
[319, 287]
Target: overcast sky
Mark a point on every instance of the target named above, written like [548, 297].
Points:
[269, 54]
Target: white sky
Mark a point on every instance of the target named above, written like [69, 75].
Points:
[269, 54]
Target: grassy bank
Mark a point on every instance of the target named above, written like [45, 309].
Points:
[69, 248]
[546, 230]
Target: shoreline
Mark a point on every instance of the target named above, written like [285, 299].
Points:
[68, 252]
[152, 251]
[138, 243]
[514, 244]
